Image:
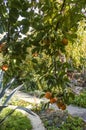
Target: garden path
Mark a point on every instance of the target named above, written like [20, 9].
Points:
[73, 110]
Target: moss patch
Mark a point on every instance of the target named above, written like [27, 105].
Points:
[17, 121]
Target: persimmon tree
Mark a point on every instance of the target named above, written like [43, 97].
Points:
[37, 32]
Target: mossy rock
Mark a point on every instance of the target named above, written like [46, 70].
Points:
[61, 120]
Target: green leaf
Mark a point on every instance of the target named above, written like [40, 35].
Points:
[11, 94]
[6, 88]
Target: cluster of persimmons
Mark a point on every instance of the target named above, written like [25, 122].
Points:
[60, 104]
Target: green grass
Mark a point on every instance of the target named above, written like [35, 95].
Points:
[80, 100]
[17, 121]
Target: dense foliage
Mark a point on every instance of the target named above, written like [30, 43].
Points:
[36, 34]
[76, 52]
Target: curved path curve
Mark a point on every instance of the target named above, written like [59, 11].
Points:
[36, 122]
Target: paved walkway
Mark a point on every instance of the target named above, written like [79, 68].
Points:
[36, 122]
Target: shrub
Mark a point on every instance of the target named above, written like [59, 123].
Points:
[80, 100]
[17, 121]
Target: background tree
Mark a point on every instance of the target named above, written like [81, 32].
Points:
[77, 50]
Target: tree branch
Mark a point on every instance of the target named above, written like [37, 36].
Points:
[62, 8]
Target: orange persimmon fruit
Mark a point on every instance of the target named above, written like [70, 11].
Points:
[63, 107]
[48, 95]
[65, 41]
[53, 100]
[60, 104]
[4, 67]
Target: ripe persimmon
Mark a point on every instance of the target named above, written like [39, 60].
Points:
[65, 41]
[53, 100]
[4, 67]
[60, 104]
[63, 107]
[48, 95]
